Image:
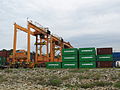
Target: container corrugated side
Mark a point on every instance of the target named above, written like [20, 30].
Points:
[0, 60]
[104, 51]
[104, 58]
[87, 64]
[70, 51]
[69, 58]
[87, 51]
[104, 64]
[69, 64]
[116, 54]
[53, 65]
[87, 58]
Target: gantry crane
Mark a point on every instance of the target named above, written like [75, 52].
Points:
[43, 38]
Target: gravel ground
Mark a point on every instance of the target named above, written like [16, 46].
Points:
[60, 79]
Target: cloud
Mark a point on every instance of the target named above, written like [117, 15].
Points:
[66, 18]
[98, 41]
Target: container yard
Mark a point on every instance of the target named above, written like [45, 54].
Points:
[73, 68]
[59, 45]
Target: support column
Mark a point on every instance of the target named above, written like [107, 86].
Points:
[47, 47]
[40, 47]
[61, 47]
[28, 49]
[51, 50]
[14, 43]
[36, 55]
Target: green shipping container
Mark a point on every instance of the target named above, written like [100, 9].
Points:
[4, 60]
[53, 65]
[70, 51]
[90, 51]
[87, 58]
[0, 60]
[69, 64]
[87, 64]
[69, 58]
[104, 58]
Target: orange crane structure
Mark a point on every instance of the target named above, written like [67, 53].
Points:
[44, 38]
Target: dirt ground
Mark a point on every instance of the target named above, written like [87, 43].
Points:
[60, 79]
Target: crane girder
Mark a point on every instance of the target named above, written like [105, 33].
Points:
[67, 44]
[40, 30]
[23, 29]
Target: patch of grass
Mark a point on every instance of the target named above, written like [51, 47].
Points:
[2, 79]
[96, 76]
[97, 84]
[114, 78]
[8, 70]
[87, 85]
[54, 81]
[117, 84]
[72, 87]
[119, 75]
[79, 71]
[102, 83]
[84, 77]
[38, 80]
[69, 86]
[66, 77]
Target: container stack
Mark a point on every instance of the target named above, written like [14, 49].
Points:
[116, 59]
[50, 65]
[87, 58]
[3, 60]
[104, 58]
[70, 58]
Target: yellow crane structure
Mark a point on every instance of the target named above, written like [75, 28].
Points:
[44, 37]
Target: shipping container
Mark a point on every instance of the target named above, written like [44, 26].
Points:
[53, 65]
[0, 60]
[87, 64]
[116, 59]
[5, 53]
[104, 58]
[87, 51]
[87, 58]
[116, 56]
[69, 64]
[70, 51]
[104, 64]
[104, 51]
[68, 58]
[3, 60]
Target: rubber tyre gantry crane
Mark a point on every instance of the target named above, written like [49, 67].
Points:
[43, 38]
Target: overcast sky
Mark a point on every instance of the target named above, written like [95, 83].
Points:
[84, 23]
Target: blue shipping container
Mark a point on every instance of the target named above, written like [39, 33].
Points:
[116, 55]
[116, 59]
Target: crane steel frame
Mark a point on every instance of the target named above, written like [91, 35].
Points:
[48, 38]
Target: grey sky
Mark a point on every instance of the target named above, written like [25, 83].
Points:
[85, 23]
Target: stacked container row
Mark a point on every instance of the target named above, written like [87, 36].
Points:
[87, 58]
[104, 58]
[70, 58]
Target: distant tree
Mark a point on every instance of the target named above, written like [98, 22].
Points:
[4, 50]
